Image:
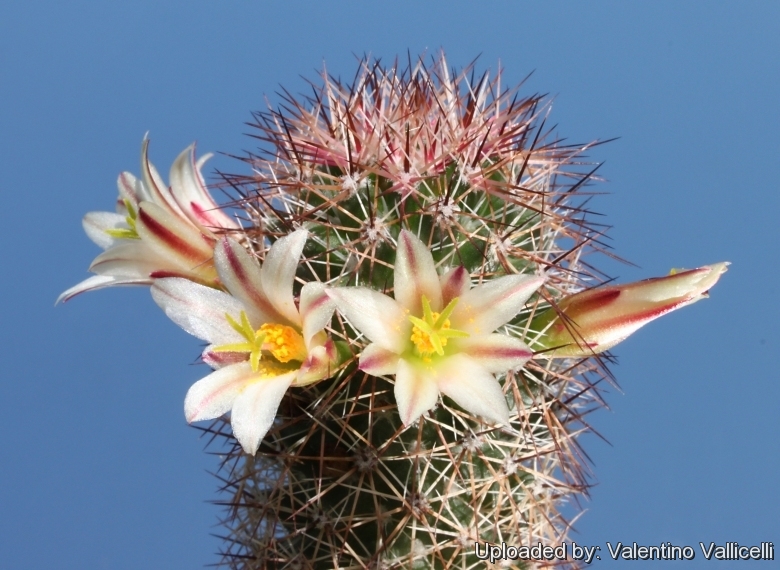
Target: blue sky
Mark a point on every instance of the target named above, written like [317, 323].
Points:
[99, 469]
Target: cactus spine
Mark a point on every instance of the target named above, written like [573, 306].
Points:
[468, 167]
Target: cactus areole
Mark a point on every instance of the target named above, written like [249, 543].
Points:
[403, 332]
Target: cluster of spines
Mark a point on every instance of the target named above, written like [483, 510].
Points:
[338, 482]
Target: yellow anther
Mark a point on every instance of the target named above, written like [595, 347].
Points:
[422, 339]
[283, 342]
[430, 333]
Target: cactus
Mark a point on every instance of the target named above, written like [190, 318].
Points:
[404, 327]
[469, 168]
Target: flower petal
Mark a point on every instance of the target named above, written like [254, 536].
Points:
[488, 306]
[255, 409]
[316, 310]
[473, 388]
[95, 225]
[496, 353]
[133, 259]
[377, 361]
[240, 273]
[199, 310]
[416, 391]
[214, 395]
[317, 366]
[598, 319]
[189, 191]
[690, 285]
[132, 189]
[380, 318]
[454, 284]
[415, 275]
[155, 187]
[221, 359]
[98, 282]
[173, 238]
[278, 273]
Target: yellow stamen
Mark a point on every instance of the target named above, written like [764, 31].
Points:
[430, 333]
[283, 342]
[422, 340]
[253, 344]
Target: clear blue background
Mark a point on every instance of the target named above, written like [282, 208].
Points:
[99, 469]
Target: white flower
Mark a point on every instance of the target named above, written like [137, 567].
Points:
[259, 341]
[436, 335]
[157, 231]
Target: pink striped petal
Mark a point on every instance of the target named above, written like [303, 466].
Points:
[598, 319]
[488, 306]
[173, 239]
[378, 361]
[473, 388]
[255, 409]
[455, 283]
[495, 353]
[189, 191]
[318, 365]
[415, 275]
[222, 359]
[416, 392]
[381, 319]
[155, 186]
[199, 310]
[278, 273]
[98, 282]
[129, 258]
[316, 310]
[240, 273]
[215, 394]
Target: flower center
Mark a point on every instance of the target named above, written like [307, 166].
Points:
[422, 339]
[126, 233]
[430, 334]
[269, 369]
[282, 342]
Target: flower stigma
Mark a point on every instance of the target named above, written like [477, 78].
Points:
[430, 333]
[130, 232]
[282, 342]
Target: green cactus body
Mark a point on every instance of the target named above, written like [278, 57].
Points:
[339, 481]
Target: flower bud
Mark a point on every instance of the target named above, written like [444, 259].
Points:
[595, 320]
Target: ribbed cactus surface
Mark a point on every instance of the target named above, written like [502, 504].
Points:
[469, 168]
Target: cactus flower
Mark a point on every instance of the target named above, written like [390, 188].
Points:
[436, 336]
[597, 319]
[466, 163]
[157, 231]
[260, 343]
